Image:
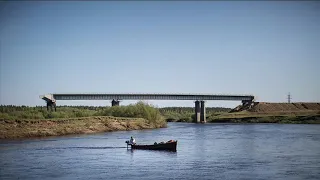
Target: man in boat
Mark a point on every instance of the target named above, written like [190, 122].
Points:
[132, 141]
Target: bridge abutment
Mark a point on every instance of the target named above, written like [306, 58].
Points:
[246, 102]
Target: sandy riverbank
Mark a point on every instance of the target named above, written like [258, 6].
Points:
[14, 129]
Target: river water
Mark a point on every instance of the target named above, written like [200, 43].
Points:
[204, 151]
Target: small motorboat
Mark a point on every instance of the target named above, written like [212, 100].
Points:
[168, 146]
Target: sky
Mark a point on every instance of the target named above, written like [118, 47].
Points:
[265, 48]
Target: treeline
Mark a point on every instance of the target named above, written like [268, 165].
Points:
[139, 110]
[186, 114]
[40, 112]
[10, 108]
[191, 109]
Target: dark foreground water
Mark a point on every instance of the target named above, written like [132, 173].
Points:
[205, 151]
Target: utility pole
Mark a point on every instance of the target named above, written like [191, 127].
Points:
[289, 97]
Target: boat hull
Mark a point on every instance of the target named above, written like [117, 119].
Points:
[169, 146]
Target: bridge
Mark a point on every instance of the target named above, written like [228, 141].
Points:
[200, 112]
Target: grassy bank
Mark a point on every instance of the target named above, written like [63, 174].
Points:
[11, 129]
[18, 122]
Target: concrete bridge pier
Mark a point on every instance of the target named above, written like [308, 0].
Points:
[203, 118]
[115, 102]
[200, 112]
[197, 111]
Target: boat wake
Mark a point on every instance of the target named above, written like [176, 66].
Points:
[66, 148]
[95, 147]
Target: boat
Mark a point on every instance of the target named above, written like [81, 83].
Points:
[168, 146]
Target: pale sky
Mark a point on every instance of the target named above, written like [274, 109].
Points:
[262, 48]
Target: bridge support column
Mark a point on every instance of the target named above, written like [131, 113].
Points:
[203, 118]
[197, 111]
[115, 103]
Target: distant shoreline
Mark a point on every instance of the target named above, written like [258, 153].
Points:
[282, 119]
[289, 118]
[262, 112]
[257, 112]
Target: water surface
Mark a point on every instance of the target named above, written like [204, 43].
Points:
[205, 151]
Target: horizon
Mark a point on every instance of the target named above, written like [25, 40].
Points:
[267, 49]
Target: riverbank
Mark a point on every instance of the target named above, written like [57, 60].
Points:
[266, 112]
[286, 118]
[260, 118]
[258, 112]
[15, 129]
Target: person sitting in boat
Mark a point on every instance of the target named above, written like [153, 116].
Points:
[132, 141]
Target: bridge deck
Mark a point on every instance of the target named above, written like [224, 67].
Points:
[148, 97]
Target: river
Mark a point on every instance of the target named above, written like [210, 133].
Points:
[204, 151]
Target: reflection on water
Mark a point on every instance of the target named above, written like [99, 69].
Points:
[204, 151]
